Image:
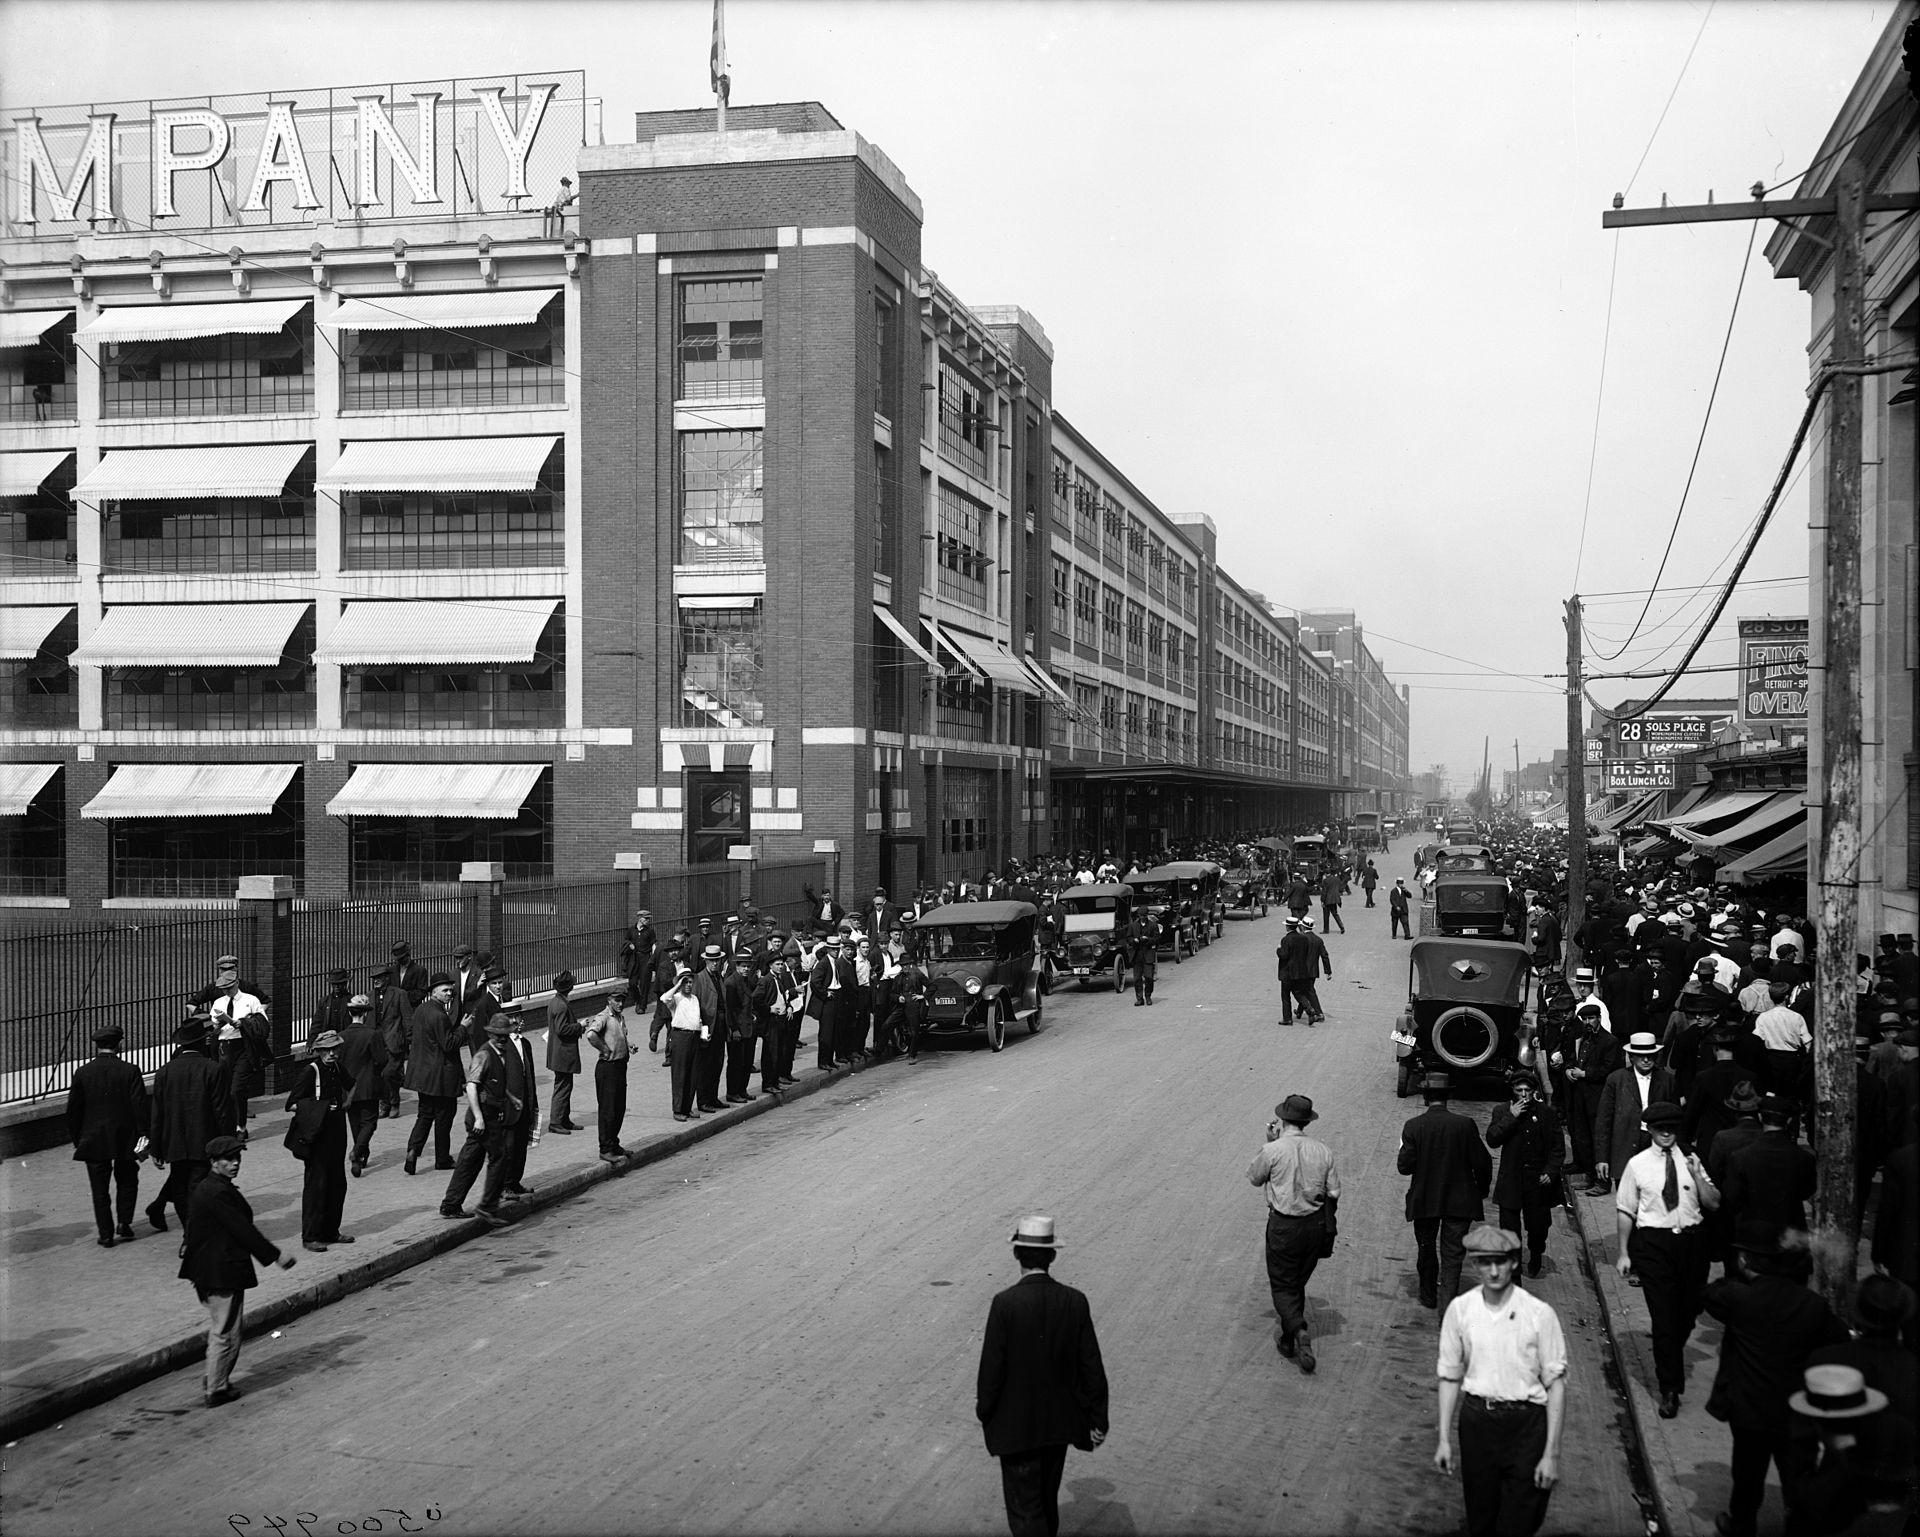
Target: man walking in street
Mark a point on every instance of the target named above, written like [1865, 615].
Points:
[1503, 1364]
[1451, 1172]
[563, 1049]
[607, 1035]
[1042, 1386]
[1399, 909]
[1302, 1189]
[107, 1123]
[435, 1074]
[221, 1245]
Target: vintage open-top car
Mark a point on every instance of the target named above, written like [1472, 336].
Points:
[1093, 937]
[983, 972]
[1466, 1010]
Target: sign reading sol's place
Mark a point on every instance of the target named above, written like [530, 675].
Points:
[439, 148]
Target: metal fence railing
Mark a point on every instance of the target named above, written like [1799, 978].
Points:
[63, 983]
[548, 929]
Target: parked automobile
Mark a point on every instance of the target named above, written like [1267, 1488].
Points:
[1093, 939]
[1466, 1010]
[983, 972]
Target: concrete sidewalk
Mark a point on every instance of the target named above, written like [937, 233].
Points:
[79, 1323]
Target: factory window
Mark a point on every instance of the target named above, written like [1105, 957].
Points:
[422, 856]
[488, 696]
[500, 366]
[721, 506]
[962, 561]
[721, 351]
[206, 856]
[211, 375]
[36, 382]
[421, 530]
[721, 667]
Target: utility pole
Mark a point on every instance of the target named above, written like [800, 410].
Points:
[1838, 863]
[1576, 791]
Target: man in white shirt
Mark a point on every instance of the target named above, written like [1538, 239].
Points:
[1503, 1364]
[1662, 1201]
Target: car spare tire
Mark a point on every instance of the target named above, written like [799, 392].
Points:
[1463, 1037]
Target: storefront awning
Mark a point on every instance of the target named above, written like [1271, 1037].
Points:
[441, 312]
[25, 328]
[905, 636]
[995, 661]
[183, 322]
[21, 474]
[1783, 857]
[20, 782]
[444, 634]
[493, 790]
[23, 631]
[170, 474]
[149, 791]
[440, 464]
[191, 635]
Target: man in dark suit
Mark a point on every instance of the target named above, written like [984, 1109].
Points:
[1773, 1176]
[1042, 1385]
[222, 1244]
[1617, 1130]
[435, 1075]
[1451, 1173]
[106, 1121]
[190, 1107]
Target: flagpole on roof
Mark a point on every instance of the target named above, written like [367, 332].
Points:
[717, 64]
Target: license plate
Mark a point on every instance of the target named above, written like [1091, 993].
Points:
[1401, 1038]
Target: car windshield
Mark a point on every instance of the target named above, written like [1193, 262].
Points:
[967, 942]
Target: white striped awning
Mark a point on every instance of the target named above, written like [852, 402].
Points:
[24, 328]
[149, 791]
[995, 661]
[440, 464]
[905, 636]
[21, 474]
[20, 782]
[182, 322]
[492, 790]
[170, 474]
[440, 312]
[24, 630]
[447, 634]
[191, 635]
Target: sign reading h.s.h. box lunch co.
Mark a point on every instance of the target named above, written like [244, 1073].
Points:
[434, 148]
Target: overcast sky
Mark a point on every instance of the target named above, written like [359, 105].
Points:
[1332, 274]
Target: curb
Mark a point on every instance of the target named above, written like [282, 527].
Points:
[97, 1387]
[1669, 1499]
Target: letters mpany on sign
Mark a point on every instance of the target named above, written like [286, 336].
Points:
[282, 156]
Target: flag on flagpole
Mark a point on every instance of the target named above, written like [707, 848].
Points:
[717, 59]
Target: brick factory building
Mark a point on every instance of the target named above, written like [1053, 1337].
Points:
[357, 528]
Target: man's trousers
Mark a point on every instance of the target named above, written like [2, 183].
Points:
[1499, 1449]
[126, 1173]
[610, 1097]
[1441, 1246]
[1293, 1250]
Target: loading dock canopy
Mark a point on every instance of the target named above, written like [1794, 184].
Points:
[490, 790]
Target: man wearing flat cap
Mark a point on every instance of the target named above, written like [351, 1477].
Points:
[190, 1108]
[1503, 1365]
[217, 1256]
[1042, 1386]
[1302, 1188]
[107, 1123]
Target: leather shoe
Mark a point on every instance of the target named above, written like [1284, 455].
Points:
[1303, 1353]
[314, 1248]
[1669, 1405]
[412, 1165]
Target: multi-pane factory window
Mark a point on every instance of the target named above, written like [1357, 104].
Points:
[211, 375]
[721, 667]
[499, 366]
[721, 345]
[391, 856]
[215, 533]
[965, 407]
[216, 698]
[1062, 596]
[206, 856]
[36, 532]
[421, 530]
[38, 691]
[721, 508]
[492, 695]
[36, 382]
[962, 561]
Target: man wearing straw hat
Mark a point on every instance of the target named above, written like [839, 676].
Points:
[1042, 1385]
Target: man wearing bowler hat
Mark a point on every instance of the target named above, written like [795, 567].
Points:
[1042, 1386]
[1302, 1188]
[1503, 1364]
[107, 1124]
[221, 1245]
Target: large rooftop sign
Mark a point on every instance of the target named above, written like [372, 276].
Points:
[433, 149]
